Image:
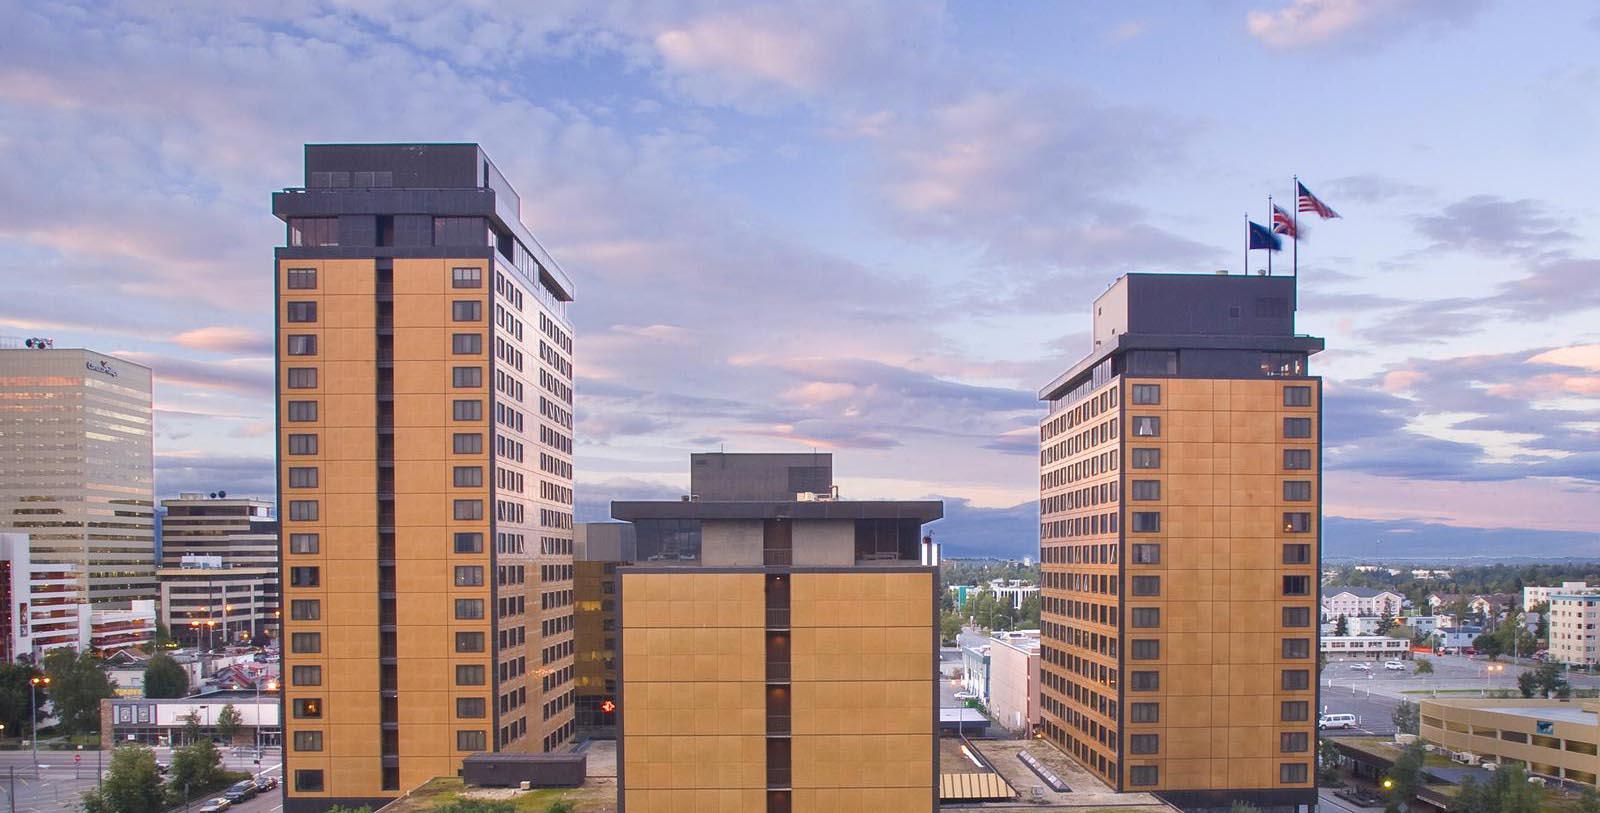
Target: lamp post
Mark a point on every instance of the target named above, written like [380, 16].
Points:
[1488, 669]
[272, 686]
[33, 708]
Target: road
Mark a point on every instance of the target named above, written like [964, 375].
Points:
[60, 782]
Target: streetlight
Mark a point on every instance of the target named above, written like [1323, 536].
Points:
[33, 708]
[272, 686]
[1489, 668]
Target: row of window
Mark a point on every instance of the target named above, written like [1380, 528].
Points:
[555, 333]
[1289, 773]
[1294, 522]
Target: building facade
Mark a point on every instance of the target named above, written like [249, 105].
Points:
[1361, 601]
[1014, 680]
[41, 604]
[1551, 738]
[240, 531]
[424, 379]
[1180, 527]
[1534, 596]
[1574, 627]
[79, 479]
[219, 569]
[599, 548]
[1359, 646]
[776, 648]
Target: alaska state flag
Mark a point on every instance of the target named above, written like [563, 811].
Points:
[1262, 237]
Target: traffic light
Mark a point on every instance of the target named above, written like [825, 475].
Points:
[1388, 784]
[607, 707]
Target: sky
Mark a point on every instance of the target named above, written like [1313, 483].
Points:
[869, 228]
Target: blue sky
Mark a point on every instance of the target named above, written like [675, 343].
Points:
[868, 227]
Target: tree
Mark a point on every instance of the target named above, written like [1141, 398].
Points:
[1542, 633]
[161, 640]
[1424, 666]
[1405, 717]
[1342, 626]
[229, 722]
[1329, 759]
[1029, 614]
[16, 695]
[1488, 645]
[1507, 791]
[949, 628]
[1547, 679]
[77, 685]
[1527, 684]
[131, 784]
[164, 677]
[196, 766]
[1588, 801]
[1406, 776]
[1386, 622]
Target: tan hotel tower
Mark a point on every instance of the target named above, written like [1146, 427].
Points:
[1180, 508]
[424, 380]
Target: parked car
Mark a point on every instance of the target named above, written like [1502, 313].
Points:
[266, 783]
[1361, 667]
[966, 696]
[215, 806]
[1336, 721]
[240, 791]
[1394, 666]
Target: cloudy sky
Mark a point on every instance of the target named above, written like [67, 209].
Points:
[872, 228]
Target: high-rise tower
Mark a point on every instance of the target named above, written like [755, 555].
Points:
[425, 472]
[1180, 508]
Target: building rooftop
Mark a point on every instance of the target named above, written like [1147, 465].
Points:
[924, 511]
[1360, 592]
[1566, 713]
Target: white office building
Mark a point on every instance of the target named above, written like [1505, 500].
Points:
[1574, 618]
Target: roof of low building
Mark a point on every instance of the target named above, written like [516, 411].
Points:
[1362, 592]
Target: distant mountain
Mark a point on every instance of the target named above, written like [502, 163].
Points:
[1345, 538]
[1006, 533]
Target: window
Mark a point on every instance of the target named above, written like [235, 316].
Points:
[1144, 775]
[1297, 554]
[467, 476]
[299, 279]
[469, 642]
[466, 344]
[470, 707]
[302, 345]
[303, 477]
[1296, 490]
[1144, 681]
[314, 231]
[467, 376]
[1297, 396]
[469, 410]
[302, 444]
[1147, 393]
[469, 608]
[306, 675]
[470, 741]
[1146, 554]
[1146, 489]
[1292, 772]
[1297, 459]
[1297, 616]
[469, 542]
[469, 576]
[1296, 680]
[308, 781]
[1146, 426]
[1294, 711]
[308, 708]
[1146, 585]
[302, 411]
[302, 378]
[308, 740]
[1144, 743]
[1148, 522]
[1145, 617]
[1297, 427]
[466, 310]
[304, 543]
[305, 609]
[305, 642]
[1296, 522]
[1146, 650]
[1296, 648]
[469, 509]
[303, 510]
[467, 443]
[469, 674]
[1297, 585]
[466, 278]
[300, 311]
[1147, 458]
[305, 576]
[1144, 712]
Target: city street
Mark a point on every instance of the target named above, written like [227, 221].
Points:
[60, 781]
[1453, 676]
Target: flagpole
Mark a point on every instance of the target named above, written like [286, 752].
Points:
[1294, 298]
[1247, 244]
[1270, 218]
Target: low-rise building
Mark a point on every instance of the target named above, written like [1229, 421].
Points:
[1492, 606]
[1012, 593]
[1360, 601]
[1425, 625]
[1455, 638]
[1552, 738]
[162, 722]
[1532, 596]
[1014, 680]
[975, 671]
[1574, 619]
[1365, 646]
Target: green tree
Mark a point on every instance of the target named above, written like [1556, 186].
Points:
[1342, 626]
[1588, 801]
[196, 766]
[229, 722]
[16, 695]
[1328, 761]
[949, 628]
[164, 677]
[191, 728]
[1387, 623]
[77, 685]
[1406, 775]
[1542, 633]
[1548, 679]
[1527, 684]
[560, 806]
[1424, 666]
[1029, 614]
[161, 641]
[131, 784]
[1489, 645]
[1405, 717]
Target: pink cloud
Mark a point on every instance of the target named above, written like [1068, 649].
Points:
[224, 340]
[1585, 356]
[1540, 502]
[1397, 381]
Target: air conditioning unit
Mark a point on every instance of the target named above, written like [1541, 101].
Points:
[805, 496]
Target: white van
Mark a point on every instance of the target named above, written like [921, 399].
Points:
[1336, 721]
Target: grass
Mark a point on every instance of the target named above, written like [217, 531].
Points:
[444, 790]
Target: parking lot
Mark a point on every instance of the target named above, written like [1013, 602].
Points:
[60, 781]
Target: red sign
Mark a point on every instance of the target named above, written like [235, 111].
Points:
[607, 706]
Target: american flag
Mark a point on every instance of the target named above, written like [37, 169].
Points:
[1309, 203]
[1283, 222]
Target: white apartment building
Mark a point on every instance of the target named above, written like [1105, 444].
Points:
[1359, 601]
[1573, 620]
[78, 474]
[1013, 593]
[1365, 646]
[40, 603]
[1541, 595]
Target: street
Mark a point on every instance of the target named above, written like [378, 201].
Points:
[60, 782]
